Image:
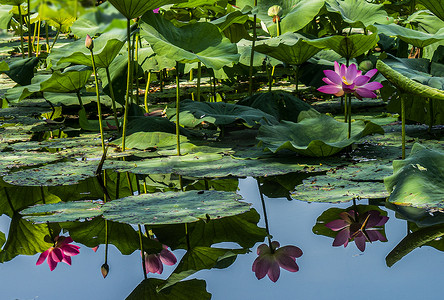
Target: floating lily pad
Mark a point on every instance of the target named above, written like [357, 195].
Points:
[418, 180]
[62, 211]
[344, 184]
[194, 113]
[310, 137]
[174, 207]
[10, 160]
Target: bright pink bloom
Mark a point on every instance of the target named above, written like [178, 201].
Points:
[154, 262]
[61, 251]
[352, 226]
[345, 80]
[270, 261]
[156, 10]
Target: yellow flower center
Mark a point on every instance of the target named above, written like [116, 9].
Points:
[345, 80]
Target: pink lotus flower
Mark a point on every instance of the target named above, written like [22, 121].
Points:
[352, 226]
[154, 262]
[270, 261]
[345, 80]
[61, 251]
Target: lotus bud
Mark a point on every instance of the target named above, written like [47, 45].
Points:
[275, 10]
[89, 42]
[105, 270]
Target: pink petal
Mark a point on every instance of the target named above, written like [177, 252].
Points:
[70, 250]
[263, 249]
[68, 240]
[360, 242]
[287, 263]
[383, 220]
[373, 219]
[361, 80]
[374, 85]
[290, 251]
[67, 259]
[52, 264]
[274, 271]
[261, 266]
[371, 73]
[348, 88]
[330, 89]
[364, 93]
[43, 256]
[351, 73]
[337, 225]
[167, 257]
[275, 245]
[337, 67]
[342, 237]
[333, 76]
[56, 255]
[153, 263]
[343, 71]
[328, 81]
[375, 235]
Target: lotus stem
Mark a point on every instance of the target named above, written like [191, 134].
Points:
[177, 109]
[128, 84]
[48, 49]
[136, 59]
[191, 75]
[199, 74]
[141, 250]
[187, 235]
[403, 124]
[296, 76]
[29, 29]
[267, 228]
[37, 50]
[147, 89]
[161, 80]
[21, 30]
[55, 40]
[111, 91]
[431, 115]
[349, 113]
[80, 100]
[250, 79]
[99, 108]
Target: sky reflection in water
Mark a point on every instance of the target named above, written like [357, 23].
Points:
[325, 272]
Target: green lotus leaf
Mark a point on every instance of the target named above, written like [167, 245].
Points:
[344, 184]
[406, 84]
[414, 240]
[281, 105]
[19, 93]
[106, 47]
[150, 62]
[418, 181]
[123, 236]
[132, 9]
[410, 36]
[425, 21]
[5, 16]
[25, 238]
[12, 2]
[193, 113]
[291, 48]
[201, 258]
[190, 43]
[69, 99]
[10, 160]
[347, 46]
[60, 18]
[241, 229]
[420, 216]
[22, 71]
[235, 17]
[62, 211]
[174, 207]
[183, 290]
[310, 137]
[435, 6]
[296, 14]
[70, 80]
[104, 18]
[358, 13]
[4, 66]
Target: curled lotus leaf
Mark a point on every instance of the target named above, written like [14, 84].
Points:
[198, 42]
[435, 6]
[418, 180]
[416, 38]
[310, 138]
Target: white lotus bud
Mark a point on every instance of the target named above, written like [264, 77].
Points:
[275, 10]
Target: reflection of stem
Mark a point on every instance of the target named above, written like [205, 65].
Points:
[111, 91]
[265, 215]
[143, 252]
[106, 241]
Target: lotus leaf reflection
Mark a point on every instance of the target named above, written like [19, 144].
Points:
[270, 260]
[60, 252]
[346, 80]
[352, 226]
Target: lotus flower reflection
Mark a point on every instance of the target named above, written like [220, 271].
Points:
[352, 226]
[60, 252]
[345, 80]
[269, 261]
[154, 262]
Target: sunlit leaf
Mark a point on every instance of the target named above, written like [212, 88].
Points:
[411, 36]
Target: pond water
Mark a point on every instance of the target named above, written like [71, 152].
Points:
[325, 272]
